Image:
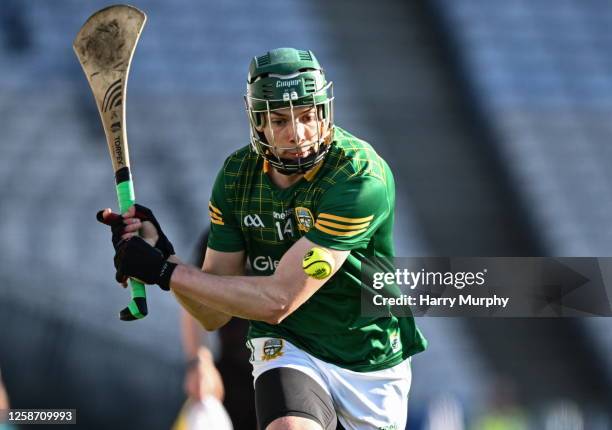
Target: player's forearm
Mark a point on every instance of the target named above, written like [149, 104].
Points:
[249, 297]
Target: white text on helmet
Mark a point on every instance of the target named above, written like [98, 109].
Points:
[289, 83]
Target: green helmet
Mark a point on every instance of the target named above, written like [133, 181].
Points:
[288, 78]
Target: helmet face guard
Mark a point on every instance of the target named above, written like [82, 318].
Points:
[286, 79]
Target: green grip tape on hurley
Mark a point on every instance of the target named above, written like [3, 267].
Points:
[137, 308]
[125, 195]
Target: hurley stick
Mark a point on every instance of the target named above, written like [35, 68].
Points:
[105, 46]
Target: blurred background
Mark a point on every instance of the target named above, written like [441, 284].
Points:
[495, 116]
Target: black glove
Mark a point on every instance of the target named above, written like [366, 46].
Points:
[135, 258]
[115, 221]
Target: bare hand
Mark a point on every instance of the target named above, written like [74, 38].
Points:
[202, 379]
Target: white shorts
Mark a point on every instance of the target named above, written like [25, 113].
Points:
[362, 400]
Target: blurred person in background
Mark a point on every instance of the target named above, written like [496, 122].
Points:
[203, 384]
[232, 364]
[231, 357]
[317, 361]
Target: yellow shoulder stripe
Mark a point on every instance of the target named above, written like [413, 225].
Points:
[347, 220]
[214, 209]
[343, 226]
[215, 221]
[215, 216]
[338, 233]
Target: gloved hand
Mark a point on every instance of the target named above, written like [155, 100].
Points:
[135, 258]
[136, 219]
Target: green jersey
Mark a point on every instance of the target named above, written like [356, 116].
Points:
[345, 203]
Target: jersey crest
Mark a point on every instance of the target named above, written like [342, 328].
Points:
[304, 218]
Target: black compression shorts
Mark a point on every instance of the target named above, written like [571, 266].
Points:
[283, 392]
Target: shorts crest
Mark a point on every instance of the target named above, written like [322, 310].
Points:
[272, 349]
